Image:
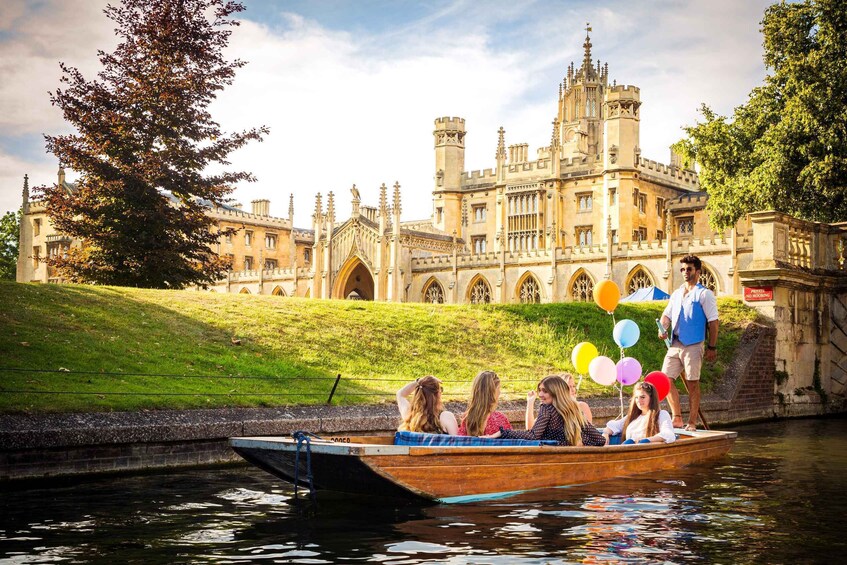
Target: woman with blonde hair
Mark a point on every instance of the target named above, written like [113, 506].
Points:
[644, 423]
[529, 418]
[425, 412]
[559, 418]
[482, 416]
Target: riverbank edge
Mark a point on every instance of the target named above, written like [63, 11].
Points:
[53, 445]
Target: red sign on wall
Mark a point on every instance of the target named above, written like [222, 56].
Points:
[758, 293]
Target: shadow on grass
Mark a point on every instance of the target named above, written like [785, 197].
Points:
[98, 348]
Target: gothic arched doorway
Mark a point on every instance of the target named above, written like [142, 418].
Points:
[354, 281]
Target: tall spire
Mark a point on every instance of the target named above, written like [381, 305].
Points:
[586, 60]
[318, 206]
[501, 144]
[291, 208]
[554, 140]
[383, 199]
[25, 192]
[330, 208]
[397, 198]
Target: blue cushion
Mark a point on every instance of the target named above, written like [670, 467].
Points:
[417, 438]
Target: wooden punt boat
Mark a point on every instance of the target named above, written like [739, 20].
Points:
[373, 465]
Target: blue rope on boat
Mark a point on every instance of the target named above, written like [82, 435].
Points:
[303, 437]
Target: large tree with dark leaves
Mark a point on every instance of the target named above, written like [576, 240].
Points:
[786, 148]
[144, 140]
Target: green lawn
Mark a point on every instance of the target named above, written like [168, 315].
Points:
[88, 348]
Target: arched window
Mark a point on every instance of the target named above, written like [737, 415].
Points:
[433, 293]
[278, 291]
[639, 279]
[480, 292]
[583, 288]
[530, 291]
[244, 291]
[707, 279]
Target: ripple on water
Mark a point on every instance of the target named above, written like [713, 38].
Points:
[777, 497]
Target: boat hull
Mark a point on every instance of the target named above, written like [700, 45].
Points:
[453, 473]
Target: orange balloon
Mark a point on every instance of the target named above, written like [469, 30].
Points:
[607, 295]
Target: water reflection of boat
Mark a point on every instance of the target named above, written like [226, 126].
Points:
[374, 465]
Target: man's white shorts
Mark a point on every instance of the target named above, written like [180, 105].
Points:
[688, 358]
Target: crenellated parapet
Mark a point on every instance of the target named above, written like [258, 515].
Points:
[686, 202]
[235, 215]
[478, 177]
[687, 179]
[450, 123]
[622, 101]
[449, 131]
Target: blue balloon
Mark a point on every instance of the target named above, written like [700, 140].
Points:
[626, 333]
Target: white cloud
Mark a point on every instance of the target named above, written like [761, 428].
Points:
[358, 107]
[339, 118]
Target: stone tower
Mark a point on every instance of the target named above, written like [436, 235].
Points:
[621, 153]
[449, 164]
[580, 106]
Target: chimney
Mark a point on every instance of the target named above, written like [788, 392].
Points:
[261, 207]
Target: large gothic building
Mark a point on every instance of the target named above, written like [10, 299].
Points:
[533, 228]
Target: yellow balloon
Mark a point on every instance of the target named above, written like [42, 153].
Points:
[582, 356]
[607, 295]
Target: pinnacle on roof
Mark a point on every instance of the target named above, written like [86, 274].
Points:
[397, 197]
[554, 140]
[383, 198]
[501, 144]
[586, 60]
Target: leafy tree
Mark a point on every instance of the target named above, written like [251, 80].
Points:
[9, 236]
[786, 148]
[145, 137]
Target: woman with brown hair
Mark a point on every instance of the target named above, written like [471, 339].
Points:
[425, 412]
[644, 423]
[559, 418]
[482, 417]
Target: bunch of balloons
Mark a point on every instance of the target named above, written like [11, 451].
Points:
[601, 369]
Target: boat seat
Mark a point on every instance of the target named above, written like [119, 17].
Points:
[616, 439]
[418, 438]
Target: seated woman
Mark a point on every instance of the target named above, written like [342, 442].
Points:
[529, 418]
[644, 423]
[481, 416]
[559, 418]
[425, 412]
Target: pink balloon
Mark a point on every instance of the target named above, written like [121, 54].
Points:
[628, 371]
[602, 370]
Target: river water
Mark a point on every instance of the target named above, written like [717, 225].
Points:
[778, 497]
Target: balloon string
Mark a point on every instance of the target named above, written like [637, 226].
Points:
[579, 383]
[620, 390]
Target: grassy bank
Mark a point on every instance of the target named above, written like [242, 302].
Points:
[77, 348]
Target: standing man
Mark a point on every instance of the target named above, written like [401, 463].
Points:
[691, 310]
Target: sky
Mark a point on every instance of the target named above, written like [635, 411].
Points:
[350, 88]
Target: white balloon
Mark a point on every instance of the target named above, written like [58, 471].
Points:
[602, 370]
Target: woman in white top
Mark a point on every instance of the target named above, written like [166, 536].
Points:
[644, 423]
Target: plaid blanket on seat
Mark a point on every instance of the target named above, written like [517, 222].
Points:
[432, 440]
